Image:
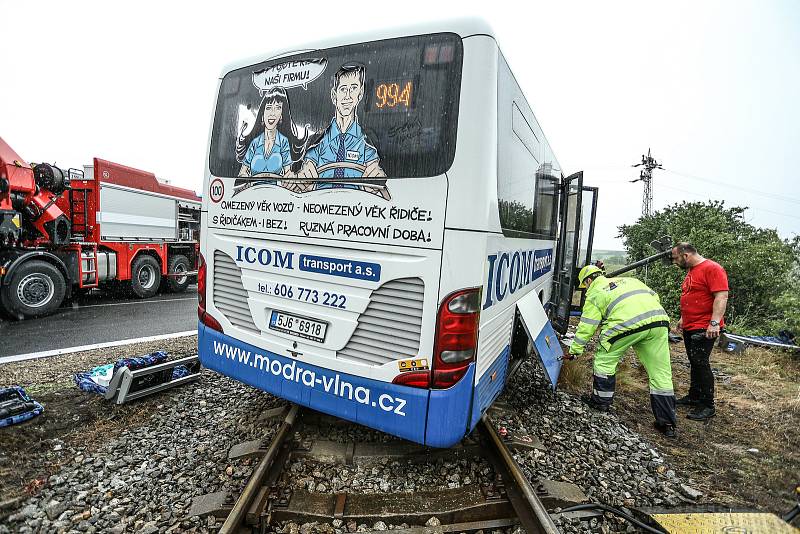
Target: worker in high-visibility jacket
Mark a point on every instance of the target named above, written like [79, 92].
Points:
[628, 314]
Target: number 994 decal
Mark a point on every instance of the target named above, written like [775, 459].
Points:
[288, 291]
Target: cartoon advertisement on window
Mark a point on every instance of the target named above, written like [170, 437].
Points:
[350, 120]
[274, 150]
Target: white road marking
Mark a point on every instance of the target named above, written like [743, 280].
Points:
[70, 350]
[78, 306]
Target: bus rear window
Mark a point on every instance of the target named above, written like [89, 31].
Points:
[356, 114]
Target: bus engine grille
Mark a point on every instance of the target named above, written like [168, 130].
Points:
[230, 296]
[389, 329]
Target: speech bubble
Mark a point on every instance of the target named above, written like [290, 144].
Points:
[289, 74]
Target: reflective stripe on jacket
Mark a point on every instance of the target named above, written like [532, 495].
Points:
[616, 306]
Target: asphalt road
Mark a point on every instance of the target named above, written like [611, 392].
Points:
[99, 318]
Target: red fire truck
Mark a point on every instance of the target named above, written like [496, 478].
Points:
[63, 232]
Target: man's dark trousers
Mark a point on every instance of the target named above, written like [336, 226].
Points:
[702, 379]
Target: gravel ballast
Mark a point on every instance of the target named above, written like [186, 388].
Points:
[596, 451]
[139, 471]
[143, 479]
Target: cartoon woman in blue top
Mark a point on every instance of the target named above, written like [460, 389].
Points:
[271, 151]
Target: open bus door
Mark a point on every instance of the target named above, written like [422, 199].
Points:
[586, 239]
[567, 263]
[578, 205]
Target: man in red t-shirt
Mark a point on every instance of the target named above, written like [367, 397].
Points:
[704, 297]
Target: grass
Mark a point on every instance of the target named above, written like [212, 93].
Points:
[746, 456]
[47, 387]
[576, 375]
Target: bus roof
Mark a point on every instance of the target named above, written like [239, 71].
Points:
[462, 26]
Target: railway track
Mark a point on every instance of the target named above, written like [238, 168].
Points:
[504, 499]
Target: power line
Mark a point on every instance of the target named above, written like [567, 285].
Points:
[733, 186]
[695, 193]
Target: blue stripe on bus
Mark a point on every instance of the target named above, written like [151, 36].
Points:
[399, 410]
[449, 411]
[490, 385]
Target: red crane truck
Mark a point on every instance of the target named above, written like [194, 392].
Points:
[109, 225]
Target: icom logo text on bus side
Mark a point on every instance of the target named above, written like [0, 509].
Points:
[511, 271]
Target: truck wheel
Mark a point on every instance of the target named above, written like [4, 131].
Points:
[37, 288]
[178, 264]
[145, 276]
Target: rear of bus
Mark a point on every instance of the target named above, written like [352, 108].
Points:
[324, 230]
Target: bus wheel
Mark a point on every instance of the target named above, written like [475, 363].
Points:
[178, 264]
[145, 276]
[37, 288]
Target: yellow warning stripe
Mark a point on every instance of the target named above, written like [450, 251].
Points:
[724, 523]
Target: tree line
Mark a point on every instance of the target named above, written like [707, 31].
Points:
[763, 269]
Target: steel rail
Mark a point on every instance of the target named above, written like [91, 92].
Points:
[532, 513]
[239, 511]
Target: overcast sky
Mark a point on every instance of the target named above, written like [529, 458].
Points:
[711, 87]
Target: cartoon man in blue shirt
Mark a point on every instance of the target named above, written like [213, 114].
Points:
[343, 151]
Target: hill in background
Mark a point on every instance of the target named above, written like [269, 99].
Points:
[613, 259]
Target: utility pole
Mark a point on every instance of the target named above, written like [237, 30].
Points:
[646, 175]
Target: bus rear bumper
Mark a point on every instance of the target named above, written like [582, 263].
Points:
[437, 418]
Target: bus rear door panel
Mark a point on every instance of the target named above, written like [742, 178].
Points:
[370, 322]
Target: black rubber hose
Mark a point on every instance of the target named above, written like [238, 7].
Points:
[793, 513]
[615, 511]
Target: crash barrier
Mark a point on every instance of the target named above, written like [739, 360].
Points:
[16, 406]
[133, 378]
[736, 344]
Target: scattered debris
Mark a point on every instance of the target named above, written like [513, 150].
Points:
[16, 406]
[736, 344]
[133, 378]
[691, 492]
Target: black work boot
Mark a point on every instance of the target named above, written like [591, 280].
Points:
[687, 401]
[702, 413]
[593, 404]
[666, 429]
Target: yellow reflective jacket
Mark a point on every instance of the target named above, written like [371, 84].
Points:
[616, 306]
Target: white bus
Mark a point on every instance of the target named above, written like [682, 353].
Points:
[385, 226]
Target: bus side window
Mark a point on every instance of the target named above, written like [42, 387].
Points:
[545, 207]
[516, 187]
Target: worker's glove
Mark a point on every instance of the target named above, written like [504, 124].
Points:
[568, 356]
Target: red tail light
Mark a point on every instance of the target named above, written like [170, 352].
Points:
[414, 379]
[455, 344]
[204, 317]
[456, 337]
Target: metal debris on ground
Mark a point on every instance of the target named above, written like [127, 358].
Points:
[16, 406]
[134, 378]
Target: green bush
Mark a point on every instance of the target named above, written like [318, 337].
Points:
[762, 268]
